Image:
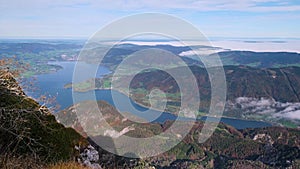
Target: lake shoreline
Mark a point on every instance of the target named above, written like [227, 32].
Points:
[182, 117]
[53, 85]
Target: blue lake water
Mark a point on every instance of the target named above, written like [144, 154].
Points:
[52, 84]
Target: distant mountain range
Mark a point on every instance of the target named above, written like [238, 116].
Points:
[246, 58]
[52, 50]
[260, 59]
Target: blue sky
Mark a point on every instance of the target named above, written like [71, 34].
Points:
[82, 18]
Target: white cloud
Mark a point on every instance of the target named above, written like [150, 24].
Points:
[264, 46]
[292, 115]
[84, 17]
[201, 51]
[265, 106]
[203, 5]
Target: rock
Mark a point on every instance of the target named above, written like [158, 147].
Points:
[89, 156]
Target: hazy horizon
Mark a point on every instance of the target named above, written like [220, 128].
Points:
[223, 18]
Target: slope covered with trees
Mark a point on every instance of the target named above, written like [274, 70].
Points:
[28, 130]
[270, 147]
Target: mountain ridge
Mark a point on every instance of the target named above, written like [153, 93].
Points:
[29, 130]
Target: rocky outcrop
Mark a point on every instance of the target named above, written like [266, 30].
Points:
[8, 82]
[89, 156]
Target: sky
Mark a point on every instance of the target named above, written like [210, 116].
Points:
[214, 18]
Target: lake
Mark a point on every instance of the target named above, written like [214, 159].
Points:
[52, 84]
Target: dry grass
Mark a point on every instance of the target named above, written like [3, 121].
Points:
[67, 165]
[30, 163]
[19, 163]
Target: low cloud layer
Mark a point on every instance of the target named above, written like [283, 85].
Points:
[264, 106]
[202, 51]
